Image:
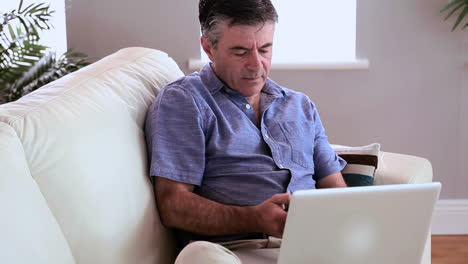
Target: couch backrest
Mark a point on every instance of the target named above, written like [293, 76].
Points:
[74, 184]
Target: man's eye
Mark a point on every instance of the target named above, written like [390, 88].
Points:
[240, 54]
[263, 51]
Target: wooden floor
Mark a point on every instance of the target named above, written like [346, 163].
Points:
[450, 249]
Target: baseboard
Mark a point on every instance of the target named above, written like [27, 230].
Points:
[450, 218]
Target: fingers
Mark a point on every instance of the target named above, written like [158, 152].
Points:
[281, 198]
[279, 222]
[272, 216]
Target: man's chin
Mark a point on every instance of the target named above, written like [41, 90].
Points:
[250, 90]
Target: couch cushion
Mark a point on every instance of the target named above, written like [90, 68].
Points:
[362, 163]
[29, 231]
[84, 143]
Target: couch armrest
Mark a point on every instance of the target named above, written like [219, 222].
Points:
[394, 168]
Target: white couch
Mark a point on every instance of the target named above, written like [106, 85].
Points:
[74, 184]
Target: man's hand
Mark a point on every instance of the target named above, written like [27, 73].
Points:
[271, 215]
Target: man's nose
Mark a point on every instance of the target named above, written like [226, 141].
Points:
[254, 62]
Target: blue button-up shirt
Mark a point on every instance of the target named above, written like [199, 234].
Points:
[201, 132]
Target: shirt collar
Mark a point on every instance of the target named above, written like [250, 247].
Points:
[214, 84]
[210, 80]
[273, 88]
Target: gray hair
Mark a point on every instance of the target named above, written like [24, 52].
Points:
[235, 12]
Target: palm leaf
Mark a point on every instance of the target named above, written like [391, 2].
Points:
[46, 70]
[460, 17]
[452, 7]
[19, 58]
[25, 65]
[30, 78]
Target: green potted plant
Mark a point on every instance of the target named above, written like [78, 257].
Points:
[25, 64]
[458, 8]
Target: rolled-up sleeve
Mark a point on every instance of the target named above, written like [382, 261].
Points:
[325, 159]
[175, 137]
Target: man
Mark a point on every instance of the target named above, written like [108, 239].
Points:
[227, 144]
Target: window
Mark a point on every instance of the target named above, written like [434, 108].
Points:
[315, 31]
[312, 34]
[56, 37]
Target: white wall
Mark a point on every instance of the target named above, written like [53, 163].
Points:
[99, 28]
[463, 183]
[413, 99]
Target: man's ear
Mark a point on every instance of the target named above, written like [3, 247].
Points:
[207, 47]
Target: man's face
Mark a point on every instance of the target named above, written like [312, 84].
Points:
[242, 57]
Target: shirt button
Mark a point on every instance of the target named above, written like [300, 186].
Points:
[266, 136]
[247, 106]
[280, 166]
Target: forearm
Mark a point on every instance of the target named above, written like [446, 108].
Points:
[334, 180]
[193, 213]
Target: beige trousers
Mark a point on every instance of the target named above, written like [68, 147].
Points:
[258, 251]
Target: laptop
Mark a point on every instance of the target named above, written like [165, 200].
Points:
[385, 224]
